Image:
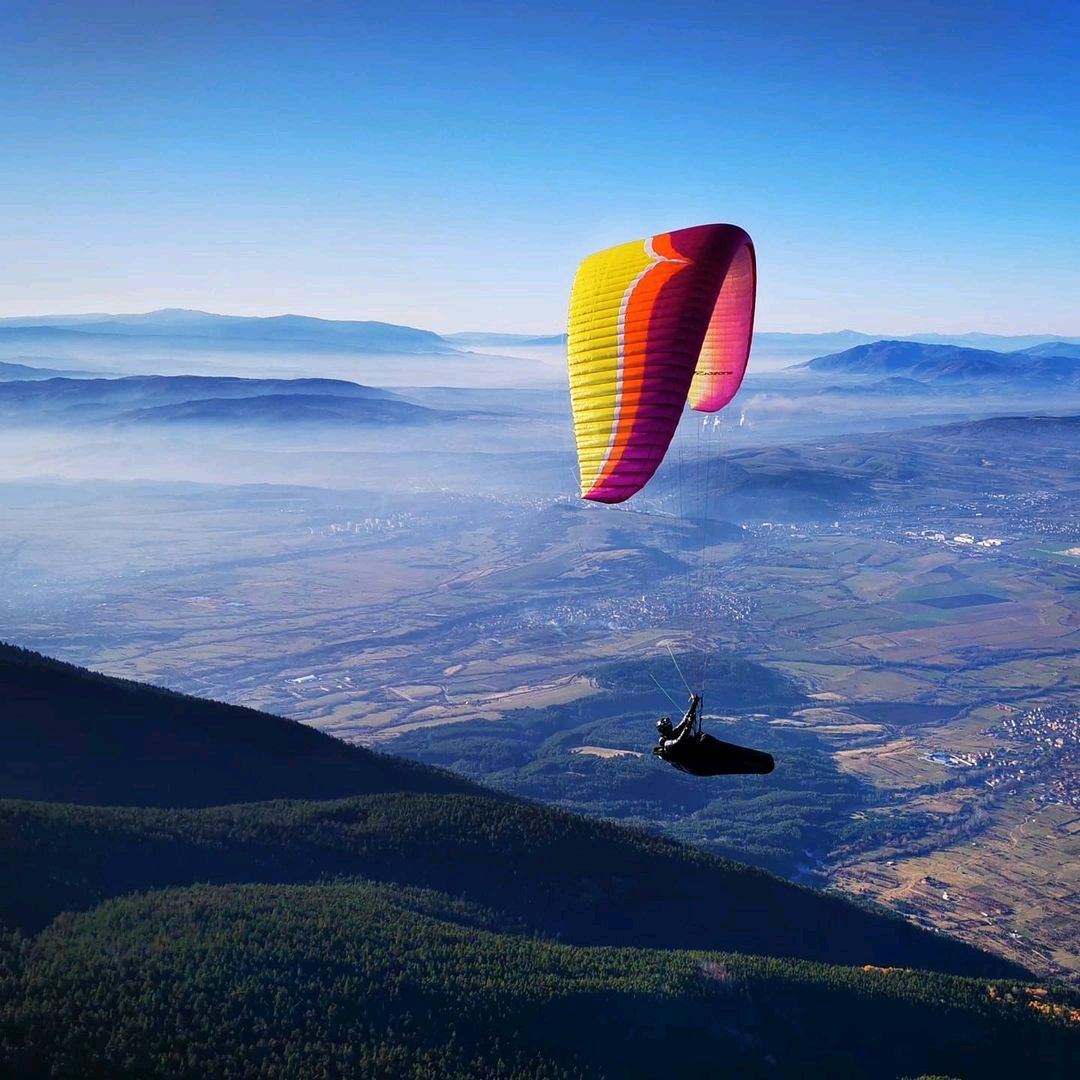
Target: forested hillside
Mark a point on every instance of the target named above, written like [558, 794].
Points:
[364, 980]
[424, 926]
[545, 871]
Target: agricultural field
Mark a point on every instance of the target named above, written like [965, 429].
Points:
[1011, 889]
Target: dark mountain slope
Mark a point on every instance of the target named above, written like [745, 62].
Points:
[546, 871]
[358, 980]
[70, 735]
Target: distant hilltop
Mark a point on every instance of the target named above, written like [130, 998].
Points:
[177, 325]
[190, 399]
[806, 345]
[1055, 362]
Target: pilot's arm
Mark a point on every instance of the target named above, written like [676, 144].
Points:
[687, 721]
[685, 734]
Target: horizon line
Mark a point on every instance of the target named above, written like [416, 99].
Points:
[103, 315]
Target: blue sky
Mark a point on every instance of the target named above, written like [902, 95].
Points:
[902, 167]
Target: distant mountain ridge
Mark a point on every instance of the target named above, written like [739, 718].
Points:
[1055, 348]
[779, 343]
[366, 335]
[845, 339]
[946, 363]
[149, 399]
[177, 323]
[12, 372]
[481, 339]
[280, 409]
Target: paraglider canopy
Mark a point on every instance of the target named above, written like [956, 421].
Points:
[653, 324]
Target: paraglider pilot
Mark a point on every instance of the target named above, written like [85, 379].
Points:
[671, 738]
[691, 750]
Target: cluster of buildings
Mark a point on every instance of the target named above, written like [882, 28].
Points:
[369, 525]
[954, 540]
[1042, 513]
[671, 602]
[1042, 754]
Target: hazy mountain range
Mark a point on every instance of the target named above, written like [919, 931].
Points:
[778, 344]
[157, 399]
[179, 343]
[198, 328]
[10, 372]
[176, 323]
[173, 342]
[951, 363]
[487, 341]
[1055, 348]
